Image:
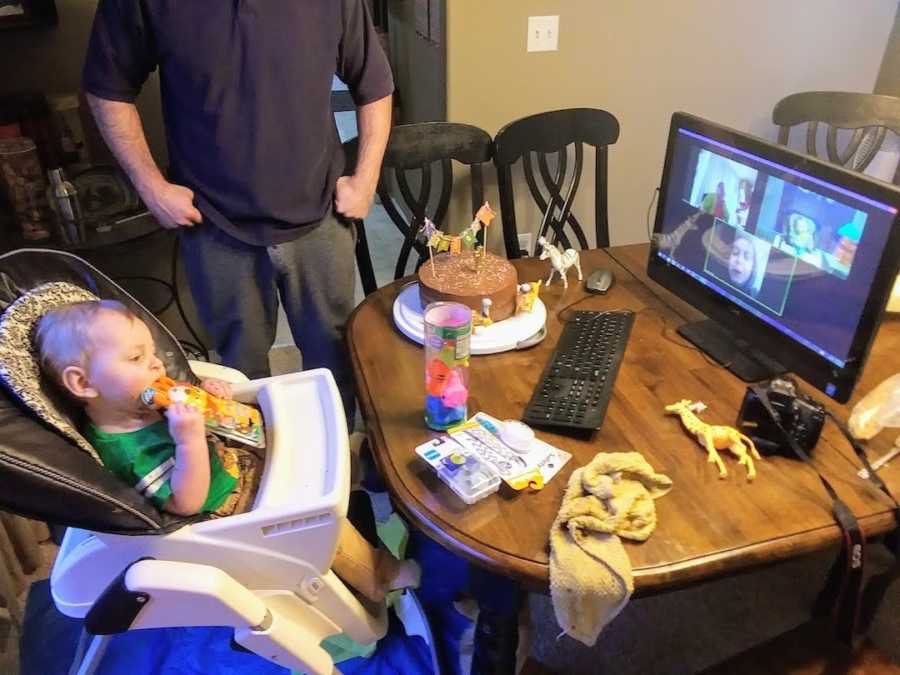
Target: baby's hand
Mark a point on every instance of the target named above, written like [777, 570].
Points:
[218, 388]
[186, 424]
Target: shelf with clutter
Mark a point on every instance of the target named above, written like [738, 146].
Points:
[53, 187]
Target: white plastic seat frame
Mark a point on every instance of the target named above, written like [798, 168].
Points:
[265, 572]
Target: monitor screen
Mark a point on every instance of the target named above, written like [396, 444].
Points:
[802, 251]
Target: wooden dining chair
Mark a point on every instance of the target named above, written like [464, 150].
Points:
[538, 138]
[870, 116]
[416, 182]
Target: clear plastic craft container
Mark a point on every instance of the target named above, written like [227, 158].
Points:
[468, 476]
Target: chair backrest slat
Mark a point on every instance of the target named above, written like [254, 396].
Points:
[548, 221]
[566, 208]
[838, 156]
[812, 131]
[875, 138]
[446, 183]
[601, 188]
[528, 170]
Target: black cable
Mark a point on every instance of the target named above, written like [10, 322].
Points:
[665, 304]
[559, 312]
[187, 324]
[664, 333]
[650, 208]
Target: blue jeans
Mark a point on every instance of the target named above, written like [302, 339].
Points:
[237, 288]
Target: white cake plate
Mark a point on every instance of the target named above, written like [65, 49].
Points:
[517, 332]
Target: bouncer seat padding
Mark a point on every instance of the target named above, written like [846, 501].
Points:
[47, 469]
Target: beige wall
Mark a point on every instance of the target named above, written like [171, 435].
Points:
[50, 60]
[726, 61]
[889, 75]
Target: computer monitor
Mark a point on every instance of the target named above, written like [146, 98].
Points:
[791, 258]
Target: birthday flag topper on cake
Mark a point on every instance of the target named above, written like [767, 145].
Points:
[437, 240]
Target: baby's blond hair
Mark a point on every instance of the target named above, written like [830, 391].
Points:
[63, 336]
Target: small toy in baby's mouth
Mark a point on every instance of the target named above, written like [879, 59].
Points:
[224, 417]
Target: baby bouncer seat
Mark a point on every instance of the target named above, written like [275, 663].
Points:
[124, 565]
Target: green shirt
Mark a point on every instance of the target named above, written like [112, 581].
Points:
[145, 459]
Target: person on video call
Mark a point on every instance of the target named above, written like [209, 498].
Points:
[742, 265]
[714, 203]
[800, 240]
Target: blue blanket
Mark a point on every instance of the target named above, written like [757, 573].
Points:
[49, 638]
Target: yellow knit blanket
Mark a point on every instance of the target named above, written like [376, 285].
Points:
[590, 573]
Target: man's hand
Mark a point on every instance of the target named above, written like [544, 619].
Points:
[187, 426]
[172, 205]
[353, 196]
[119, 122]
[218, 388]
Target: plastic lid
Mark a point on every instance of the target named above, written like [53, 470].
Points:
[468, 476]
[448, 315]
[517, 435]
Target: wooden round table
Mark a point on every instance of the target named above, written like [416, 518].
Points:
[707, 526]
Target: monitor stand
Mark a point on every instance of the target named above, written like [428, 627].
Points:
[732, 352]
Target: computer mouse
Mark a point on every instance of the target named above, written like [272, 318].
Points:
[599, 281]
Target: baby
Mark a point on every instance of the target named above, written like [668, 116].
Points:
[103, 356]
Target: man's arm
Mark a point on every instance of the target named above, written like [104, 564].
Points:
[120, 125]
[354, 194]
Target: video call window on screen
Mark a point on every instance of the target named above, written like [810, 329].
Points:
[750, 266]
[814, 228]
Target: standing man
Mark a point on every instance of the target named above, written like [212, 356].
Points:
[255, 180]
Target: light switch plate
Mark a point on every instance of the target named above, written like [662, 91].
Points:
[543, 33]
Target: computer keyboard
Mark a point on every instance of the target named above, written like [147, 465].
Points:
[577, 383]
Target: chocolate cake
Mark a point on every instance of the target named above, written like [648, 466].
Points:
[456, 280]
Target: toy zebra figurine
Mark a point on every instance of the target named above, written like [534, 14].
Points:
[560, 261]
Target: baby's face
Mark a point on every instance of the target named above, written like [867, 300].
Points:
[802, 233]
[123, 360]
[740, 262]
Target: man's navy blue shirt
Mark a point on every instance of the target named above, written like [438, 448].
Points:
[246, 92]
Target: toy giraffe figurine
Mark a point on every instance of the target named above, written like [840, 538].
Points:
[715, 438]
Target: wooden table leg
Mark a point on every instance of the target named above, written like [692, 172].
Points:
[497, 630]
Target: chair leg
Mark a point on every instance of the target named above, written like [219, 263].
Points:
[415, 622]
[364, 259]
[88, 656]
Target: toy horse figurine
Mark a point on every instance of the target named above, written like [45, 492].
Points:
[715, 438]
[560, 260]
